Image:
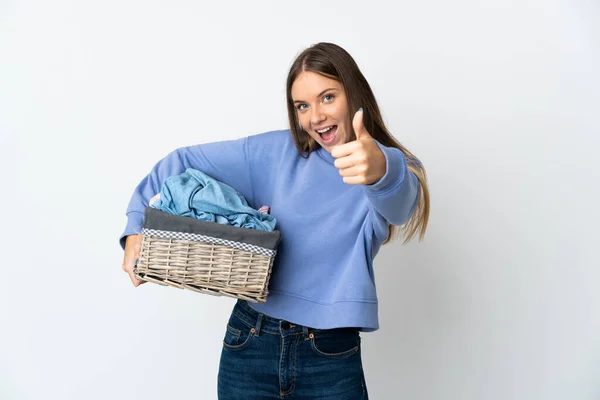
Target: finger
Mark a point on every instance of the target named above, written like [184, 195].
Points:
[345, 149]
[129, 268]
[354, 180]
[347, 161]
[358, 125]
[136, 282]
[352, 171]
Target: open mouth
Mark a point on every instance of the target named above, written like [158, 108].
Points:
[328, 134]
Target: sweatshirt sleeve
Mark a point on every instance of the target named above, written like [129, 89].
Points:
[225, 161]
[394, 197]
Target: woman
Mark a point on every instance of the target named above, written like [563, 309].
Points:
[340, 186]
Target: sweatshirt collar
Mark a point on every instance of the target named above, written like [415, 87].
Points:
[325, 155]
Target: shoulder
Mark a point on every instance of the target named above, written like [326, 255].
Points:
[278, 137]
[272, 141]
[272, 146]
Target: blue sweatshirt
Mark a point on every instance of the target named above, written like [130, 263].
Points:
[330, 231]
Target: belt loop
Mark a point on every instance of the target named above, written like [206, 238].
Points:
[305, 332]
[258, 324]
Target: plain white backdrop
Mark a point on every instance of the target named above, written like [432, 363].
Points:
[500, 100]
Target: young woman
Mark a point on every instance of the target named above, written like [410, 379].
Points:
[340, 186]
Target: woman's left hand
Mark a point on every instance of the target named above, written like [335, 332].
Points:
[360, 162]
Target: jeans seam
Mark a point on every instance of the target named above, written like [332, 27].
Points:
[233, 331]
[240, 346]
[252, 325]
[280, 363]
[293, 385]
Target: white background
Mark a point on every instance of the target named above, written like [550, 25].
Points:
[500, 100]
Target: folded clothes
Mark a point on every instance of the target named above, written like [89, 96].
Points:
[197, 195]
[263, 209]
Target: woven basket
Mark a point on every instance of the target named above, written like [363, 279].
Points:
[206, 257]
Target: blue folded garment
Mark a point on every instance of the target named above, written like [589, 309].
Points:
[195, 194]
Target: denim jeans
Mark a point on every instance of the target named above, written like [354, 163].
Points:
[268, 358]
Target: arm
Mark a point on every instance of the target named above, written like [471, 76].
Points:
[225, 161]
[382, 171]
[394, 197]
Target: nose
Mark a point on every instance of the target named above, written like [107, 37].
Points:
[317, 116]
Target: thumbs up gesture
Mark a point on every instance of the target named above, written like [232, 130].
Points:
[359, 162]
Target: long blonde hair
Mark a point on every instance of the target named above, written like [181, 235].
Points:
[332, 61]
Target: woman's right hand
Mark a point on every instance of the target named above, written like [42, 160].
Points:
[133, 246]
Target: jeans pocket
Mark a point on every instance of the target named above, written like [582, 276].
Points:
[335, 343]
[238, 334]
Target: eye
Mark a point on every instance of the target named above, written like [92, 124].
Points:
[328, 97]
[299, 107]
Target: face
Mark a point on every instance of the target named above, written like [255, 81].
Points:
[322, 109]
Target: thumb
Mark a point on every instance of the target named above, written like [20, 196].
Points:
[358, 125]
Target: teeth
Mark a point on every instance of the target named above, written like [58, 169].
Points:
[325, 130]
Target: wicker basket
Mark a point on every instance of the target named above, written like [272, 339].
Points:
[206, 257]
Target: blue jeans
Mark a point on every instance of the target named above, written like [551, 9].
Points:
[269, 358]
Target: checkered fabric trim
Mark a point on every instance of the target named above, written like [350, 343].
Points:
[209, 239]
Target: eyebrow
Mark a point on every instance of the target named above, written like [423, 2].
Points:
[319, 95]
